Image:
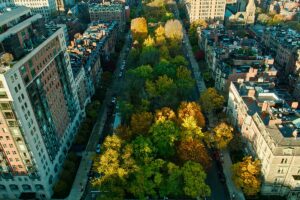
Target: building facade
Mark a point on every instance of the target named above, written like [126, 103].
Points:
[38, 105]
[108, 12]
[87, 51]
[205, 9]
[269, 121]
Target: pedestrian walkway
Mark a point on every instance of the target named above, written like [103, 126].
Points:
[233, 190]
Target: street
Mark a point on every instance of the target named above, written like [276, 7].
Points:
[82, 180]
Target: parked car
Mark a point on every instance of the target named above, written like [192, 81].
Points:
[98, 148]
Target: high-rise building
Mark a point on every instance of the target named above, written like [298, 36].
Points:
[43, 7]
[38, 104]
[205, 9]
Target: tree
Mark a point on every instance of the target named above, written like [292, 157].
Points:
[123, 132]
[222, 134]
[139, 28]
[193, 35]
[172, 184]
[149, 42]
[211, 101]
[246, 175]
[115, 165]
[194, 180]
[149, 56]
[191, 109]
[133, 56]
[161, 92]
[185, 83]
[164, 52]
[164, 135]
[164, 68]
[179, 61]
[147, 180]
[144, 150]
[173, 29]
[190, 129]
[126, 109]
[6, 58]
[164, 114]
[141, 122]
[194, 150]
[142, 72]
[160, 36]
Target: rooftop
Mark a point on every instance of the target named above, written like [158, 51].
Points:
[106, 6]
[10, 13]
[84, 46]
[275, 107]
[16, 48]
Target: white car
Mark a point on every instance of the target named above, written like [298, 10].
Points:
[98, 148]
[120, 74]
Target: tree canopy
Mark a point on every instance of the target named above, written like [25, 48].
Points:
[246, 175]
[222, 134]
[211, 100]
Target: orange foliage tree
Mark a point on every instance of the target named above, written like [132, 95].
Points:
[141, 122]
[164, 114]
[191, 109]
[194, 150]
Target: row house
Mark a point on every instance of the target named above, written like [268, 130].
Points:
[86, 53]
[269, 121]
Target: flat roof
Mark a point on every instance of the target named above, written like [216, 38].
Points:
[10, 13]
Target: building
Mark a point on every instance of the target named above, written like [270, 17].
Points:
[269, 121]
[86, 52]
[44, 7]
[241, 13]
[38, 104]
[108, 12]
[205, 9]
[231, 58]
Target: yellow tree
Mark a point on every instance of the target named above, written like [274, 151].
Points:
[160, 35]
[141, 122]
[164, 114]
[173, 29]
[149, 41]
[139, 28]
[222, 135]
[191, 109]
[246, 175]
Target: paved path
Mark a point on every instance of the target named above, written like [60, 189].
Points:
[227, 172]
[188, 49]
[81, 179]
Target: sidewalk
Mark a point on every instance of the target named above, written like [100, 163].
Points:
[227, 172]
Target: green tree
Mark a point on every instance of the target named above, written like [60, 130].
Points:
[147, 180]
[173, 182]
[185, 83]
[126, 109]
[149, 56]
[211, 101]
[179, 61]
[164, 52]
[194, 180]
[164, 68]
[133, 56]
[144, 150]
[246, 175]
[164, 135]
[142, 72]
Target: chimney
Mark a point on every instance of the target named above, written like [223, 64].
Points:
[294, 105]
[251, 93]
[264, 106]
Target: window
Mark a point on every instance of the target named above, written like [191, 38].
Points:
[3, 95]
[5, 106]
[1, 84]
